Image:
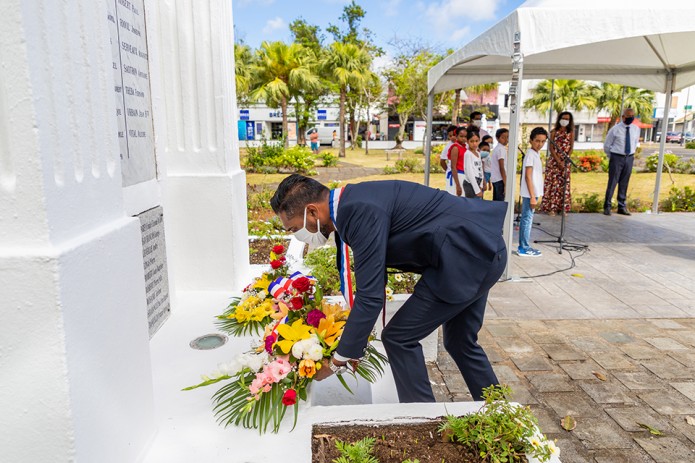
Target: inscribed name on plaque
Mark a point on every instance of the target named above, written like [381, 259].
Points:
[132, 86]
[155, 264]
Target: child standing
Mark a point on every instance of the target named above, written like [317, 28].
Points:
[444, 160]
[473, 180]
[456, 155]
[531, 190]
[484, 148]
[498, 170]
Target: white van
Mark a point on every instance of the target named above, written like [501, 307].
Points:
[328, 131]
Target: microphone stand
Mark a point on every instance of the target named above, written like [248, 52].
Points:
[561, 239]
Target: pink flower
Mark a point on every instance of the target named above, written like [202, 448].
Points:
[314, 317]
[279, 369]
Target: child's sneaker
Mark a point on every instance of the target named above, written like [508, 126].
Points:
[529, 252]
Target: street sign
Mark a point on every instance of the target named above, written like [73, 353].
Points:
[688, 107]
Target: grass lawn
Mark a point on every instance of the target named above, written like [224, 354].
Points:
[641, 184]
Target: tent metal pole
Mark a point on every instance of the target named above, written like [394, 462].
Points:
[622, 102]
[514, 110]
[550, 112]
[428, 137]
[662, 141]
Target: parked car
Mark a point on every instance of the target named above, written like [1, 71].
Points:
[688, 137]
[674, 137]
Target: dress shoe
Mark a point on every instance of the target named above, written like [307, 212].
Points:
[606, 212]
[624, 212]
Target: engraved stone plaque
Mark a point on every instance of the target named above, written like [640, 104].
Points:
[155, 263]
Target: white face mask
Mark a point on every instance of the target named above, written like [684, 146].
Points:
[312, 239]
[478, 123]
[564, 122]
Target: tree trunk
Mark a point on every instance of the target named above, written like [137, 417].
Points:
[300, 127]
[341, 152]
[457, 107]
[285, 135]
[367, 131]
[403, 120]
[354, 127]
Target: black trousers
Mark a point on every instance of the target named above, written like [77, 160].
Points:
[619, 170]
[498, 191]
[423, 313]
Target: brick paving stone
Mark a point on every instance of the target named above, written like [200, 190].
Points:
[532, 325]
[548, 421]
[576, 404]
[666, 450]
[608, 392]
[545, 382]
[665, 343]
[686, 358]
[629, 417]
[667, 368]
[687, 389]
[571, 450]
[613, 360]
[522, 395]
[666, 403]
[588, 344]
[639, 380]
[505, 374]
[667, 324]
[515, 346]
[461, 397]
[560, 352]
[494, 355]
[601, 433]
[454, 381]
[684, 337]
[616, 337]
[640, 351]
[531, 362]
[622, 456]
[582, 370]
[547, 337]
[679, 423]
[503, 330]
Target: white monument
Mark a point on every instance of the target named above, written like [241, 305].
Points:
[89, 172]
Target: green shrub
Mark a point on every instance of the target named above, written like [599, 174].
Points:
[267, 154]
[333, 184]
[636, 204]
[590, 161]
[437, 149]
[653, 161]
[685, 166]
[388, 170]
[358, 141]
[680, 200]
[321, 264]
[409, 165]
[418, 151]
[329, 159]
[690, 145]
[266, 228]
[434, 164]
[500, 431]
[589, 203]
[297, 158]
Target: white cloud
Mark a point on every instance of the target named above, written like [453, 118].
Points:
[274, 24]
[391, 7]
[447, 16]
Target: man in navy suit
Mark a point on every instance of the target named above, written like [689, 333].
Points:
[455, 244]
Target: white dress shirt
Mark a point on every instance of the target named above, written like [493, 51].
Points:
[615, 139]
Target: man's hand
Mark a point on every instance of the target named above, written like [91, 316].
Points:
[323, 372]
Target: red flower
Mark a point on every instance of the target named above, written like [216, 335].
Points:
[297, 303]
[290, 397]
[278, 249]
[314, 317]
[269, 341]
[302, 284]
[282, 259]
[275, 264]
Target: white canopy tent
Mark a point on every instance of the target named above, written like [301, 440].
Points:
[640, 43]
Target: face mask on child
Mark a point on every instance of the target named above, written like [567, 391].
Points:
[484, 154]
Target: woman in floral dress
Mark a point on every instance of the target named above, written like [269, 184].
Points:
[556, 169]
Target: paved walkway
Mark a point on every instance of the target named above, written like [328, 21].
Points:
[628, 314]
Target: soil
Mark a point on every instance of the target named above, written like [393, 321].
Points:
[259, 250]
[394, 443]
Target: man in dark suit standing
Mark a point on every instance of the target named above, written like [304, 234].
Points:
[455, 244]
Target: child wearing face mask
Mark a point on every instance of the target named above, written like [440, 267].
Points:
[484, 148]
[473, 178]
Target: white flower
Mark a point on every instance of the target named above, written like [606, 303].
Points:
[389, 291]
[231, 368]
[398, 277]
[263, 294]
[554, 450]
[255, 361]
[298, 349]
[315, 353]
[216, 374]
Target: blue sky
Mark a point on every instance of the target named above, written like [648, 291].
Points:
[439, 23]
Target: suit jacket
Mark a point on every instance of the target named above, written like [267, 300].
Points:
[450, 241]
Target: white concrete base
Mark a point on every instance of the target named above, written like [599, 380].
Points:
[76, 382]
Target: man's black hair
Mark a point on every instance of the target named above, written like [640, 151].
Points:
[475, 113]
[538, 131]
[295, 192]
[482, 145]
[500, 132]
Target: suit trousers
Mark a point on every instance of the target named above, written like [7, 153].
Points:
[619, 170]
[423, 313]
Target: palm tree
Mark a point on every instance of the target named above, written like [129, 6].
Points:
[609, 97]
[243, 59]
[348, 66]
[279, 70]
[567, 94]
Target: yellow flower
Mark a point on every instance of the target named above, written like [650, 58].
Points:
[329, 330]
[291, 334]
[262, 310]
[262, 283]
[339, 313]
[308, 368]
[281, 312]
